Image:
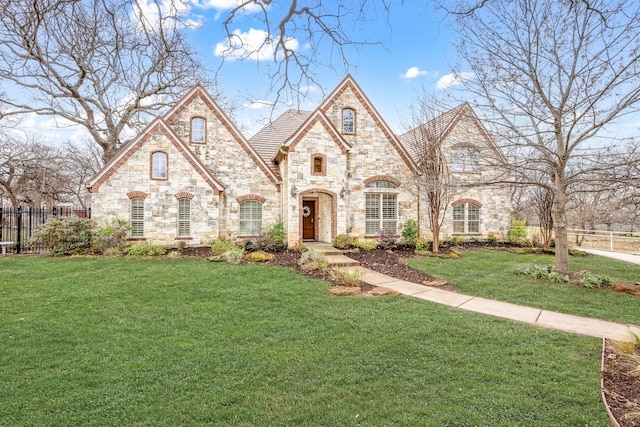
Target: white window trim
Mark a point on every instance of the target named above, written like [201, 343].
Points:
[136, 217]
[184, 218]
[465, 221]
[381, 222]
[254, 222]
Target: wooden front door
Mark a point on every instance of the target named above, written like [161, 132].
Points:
[308, 219]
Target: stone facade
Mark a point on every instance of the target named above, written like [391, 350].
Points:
[320, 176]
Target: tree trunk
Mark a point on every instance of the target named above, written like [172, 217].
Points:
[560, 226]
[435, 245]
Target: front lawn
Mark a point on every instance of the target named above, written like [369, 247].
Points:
[490, 274]
[126, 341]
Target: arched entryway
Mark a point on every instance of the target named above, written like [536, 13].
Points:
[318, 215]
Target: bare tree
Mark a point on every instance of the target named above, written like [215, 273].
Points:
[434, 182]
[81, 161]
[552, 75]
[542, 200]
[101, 64]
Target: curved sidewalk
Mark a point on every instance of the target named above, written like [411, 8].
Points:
[548, 319]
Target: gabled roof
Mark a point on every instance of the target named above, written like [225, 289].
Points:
[268, 140]
[158, 125]
[200, 92]
[350, 84]
[438, 128]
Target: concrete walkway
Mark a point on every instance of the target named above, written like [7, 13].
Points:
[621, 256]
[548, 319]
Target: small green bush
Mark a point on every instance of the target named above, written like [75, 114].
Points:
[491, 238]
[387, 240]
[145, 250]
[222, 245]
[111, 233]
[233, 255]
[365, 245]
[62, 235]
[350, 278]
[518, 232]
[590, 280]
[313, 260]
[259, 256]
[410, 232]
[343, 241]
[455, 241]
[422, 245]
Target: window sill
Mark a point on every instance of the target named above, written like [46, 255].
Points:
[183, 238]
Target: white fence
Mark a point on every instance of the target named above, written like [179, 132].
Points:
[620, 241]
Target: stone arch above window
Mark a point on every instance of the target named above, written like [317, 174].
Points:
[251, 197]
[198, 130]
[184, 195]
[159, 165]
[348, 120]
[381, 181]
[318, 164]
[469, 201]
[137, 195]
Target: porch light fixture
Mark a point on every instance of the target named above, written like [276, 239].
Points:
[294, 191]
[342, 192]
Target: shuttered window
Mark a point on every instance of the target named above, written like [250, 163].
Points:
[137, 217]
[184, 218]
[466, 219]
[250, 218]
[381, 213]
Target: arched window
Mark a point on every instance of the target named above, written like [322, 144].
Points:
[184, 217]
[466, 218]
[198, 127]
[250, 218]
[348, 121]
[465, 159]
[137, 217]
[159, 165]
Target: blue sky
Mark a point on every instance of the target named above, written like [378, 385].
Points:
[416, 51]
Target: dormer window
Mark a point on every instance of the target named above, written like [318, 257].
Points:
[348, 121]
[318, 164]
[198, 127]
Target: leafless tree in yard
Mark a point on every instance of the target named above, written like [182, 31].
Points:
[100, 64]
[551, 77]
[82, 160]
[433, 182]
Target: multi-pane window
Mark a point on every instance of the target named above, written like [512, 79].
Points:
[137, 217]
[381, 213]
[184, 218]
[159, 165]
[250, 218]
[465, 159]
[317, 165]
[466, 218]
[348, 121]
[197, 130]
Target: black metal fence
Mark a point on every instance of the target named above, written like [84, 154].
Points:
[17, 225]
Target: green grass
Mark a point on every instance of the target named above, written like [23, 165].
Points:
[151, 342]
[490, 274]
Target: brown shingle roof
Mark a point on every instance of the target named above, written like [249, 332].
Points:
[269, 139]
[433, 129]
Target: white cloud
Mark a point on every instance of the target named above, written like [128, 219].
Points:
[226, 5]
[254, 44]
[414, 72]
[449, 80]
[147, 13]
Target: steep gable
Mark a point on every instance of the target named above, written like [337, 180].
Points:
[198, 93]
[156, 126]
[333, 104]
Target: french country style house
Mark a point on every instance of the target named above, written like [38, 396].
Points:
[192, 176]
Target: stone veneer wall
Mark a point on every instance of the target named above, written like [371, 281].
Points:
[160, 203]
[230, 162]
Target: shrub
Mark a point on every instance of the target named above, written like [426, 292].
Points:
[535, 271]
[491, 238]
[63, 235]
[590, 280]
[174, 254]
[518, 232]
[145, 250]
[313, 260]
[410, 232]
[272, 240]
[259, 256]
[387, 240]
[349, 278]
[233, 255]
[455, 241]
[422, 245]
[365, 245]
[343, 241]
[222, 245]
[111, 233]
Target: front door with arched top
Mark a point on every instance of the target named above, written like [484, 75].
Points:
[309, 219]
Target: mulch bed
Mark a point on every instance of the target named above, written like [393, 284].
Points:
[621, 387]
